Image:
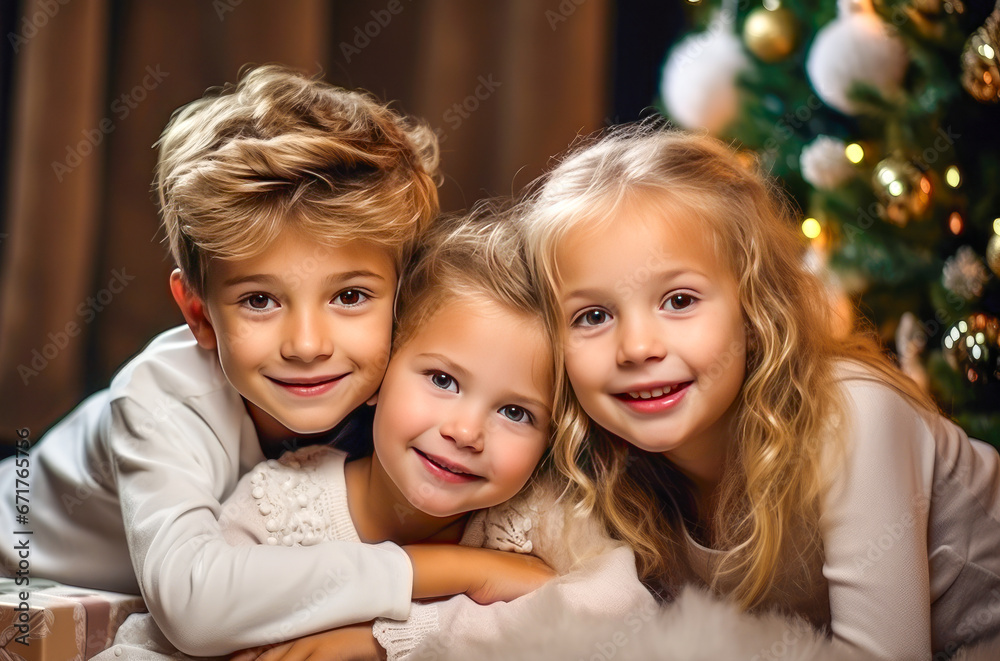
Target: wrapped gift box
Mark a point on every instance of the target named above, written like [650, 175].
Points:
[59, 622]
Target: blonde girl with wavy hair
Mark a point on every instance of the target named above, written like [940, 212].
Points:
[733, 439]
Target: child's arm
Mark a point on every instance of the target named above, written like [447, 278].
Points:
[350, 643]
[484, 575]
[207, 596]
[599, 576]
[874, 525]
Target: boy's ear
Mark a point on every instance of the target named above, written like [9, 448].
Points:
[193, 308]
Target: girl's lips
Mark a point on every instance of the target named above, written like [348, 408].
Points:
[445, 471]
[308, 387]
[654, 400]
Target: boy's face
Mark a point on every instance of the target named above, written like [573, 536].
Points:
[463, 413]
[303, 330]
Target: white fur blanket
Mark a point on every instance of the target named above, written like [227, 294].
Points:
[696, 627]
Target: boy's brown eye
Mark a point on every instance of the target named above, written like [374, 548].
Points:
[258, 301]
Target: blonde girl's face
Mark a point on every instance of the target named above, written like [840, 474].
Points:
[463, 413]
[655, 341]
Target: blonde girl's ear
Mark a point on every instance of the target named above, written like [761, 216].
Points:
[193, 308]
[373, 400]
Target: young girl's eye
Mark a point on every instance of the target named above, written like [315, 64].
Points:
[444, 381]
[259, 302]
[592, 317]
[351, 297]
[515, 413]
[679, 302]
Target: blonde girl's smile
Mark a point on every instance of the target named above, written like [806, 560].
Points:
[655, 398]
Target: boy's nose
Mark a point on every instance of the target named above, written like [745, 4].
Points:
[307, 338]
[639, 341]
[465, 429]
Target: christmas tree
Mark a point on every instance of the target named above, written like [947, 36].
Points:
[881, 120]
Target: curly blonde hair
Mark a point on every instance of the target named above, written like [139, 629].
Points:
[768, 498]
[282, 150]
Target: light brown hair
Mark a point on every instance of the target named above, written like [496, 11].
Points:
[281, 150]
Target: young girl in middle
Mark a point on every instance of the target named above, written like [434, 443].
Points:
[736, 440]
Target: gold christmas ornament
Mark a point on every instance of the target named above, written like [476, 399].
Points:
[771, 35]
[981, 61]
[903, 191]
[972, 348]
[993, 254]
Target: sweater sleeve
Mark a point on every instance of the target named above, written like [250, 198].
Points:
[874, 527]
[210, 597]
[597, 576]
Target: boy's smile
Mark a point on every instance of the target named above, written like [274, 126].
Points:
[302, 330]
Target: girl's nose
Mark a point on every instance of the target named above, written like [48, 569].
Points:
[639, 340]
[465, 429]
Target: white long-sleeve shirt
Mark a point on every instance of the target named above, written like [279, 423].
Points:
[910, 526]
[125, 496]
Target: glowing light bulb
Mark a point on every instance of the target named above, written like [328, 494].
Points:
[955, 223]
[953, 176]
[996, 226]
[811, 228]
[855, 153]
[987, 51]
[895, 189]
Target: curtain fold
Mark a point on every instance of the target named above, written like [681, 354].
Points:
[83, 270]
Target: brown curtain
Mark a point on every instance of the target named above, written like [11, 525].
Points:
[83, 271]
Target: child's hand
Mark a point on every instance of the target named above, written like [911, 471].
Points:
[351, 643]
[508, 576]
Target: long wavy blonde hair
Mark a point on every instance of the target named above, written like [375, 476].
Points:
[767, 501]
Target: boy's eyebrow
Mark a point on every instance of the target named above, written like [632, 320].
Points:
[256, 277]
[360, 273]
[268, 279]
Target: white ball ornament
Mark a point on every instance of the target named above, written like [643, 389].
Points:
[824, 163]
[699, 79]
[856, 47]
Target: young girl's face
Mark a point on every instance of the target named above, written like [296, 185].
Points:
[655, 342]
[463, 413]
